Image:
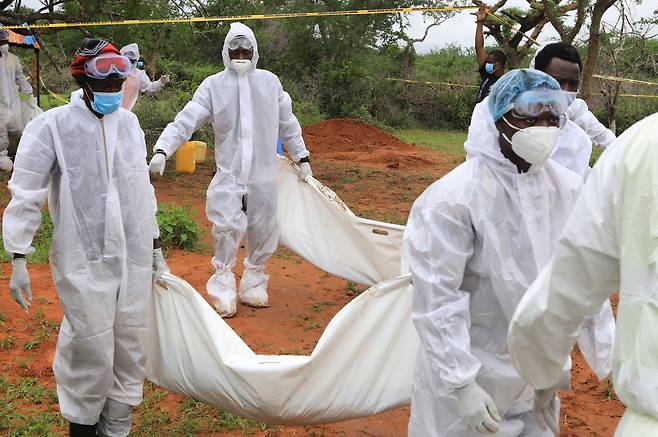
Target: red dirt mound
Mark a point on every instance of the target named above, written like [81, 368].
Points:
[352, 140]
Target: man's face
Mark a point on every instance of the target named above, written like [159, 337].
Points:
[565, 72]
[545, 119]
[112, 85]
[498, 70]
[241, 53]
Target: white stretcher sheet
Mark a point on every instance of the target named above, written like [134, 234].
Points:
[364, 361]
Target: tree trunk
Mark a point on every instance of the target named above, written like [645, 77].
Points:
[593, 45]
[612, 118]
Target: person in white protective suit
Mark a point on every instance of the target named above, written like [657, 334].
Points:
[248, 108]
[608, 244]
[11, 73]
[88, 158]
[562, 62]
[138, 81]
[474, 242]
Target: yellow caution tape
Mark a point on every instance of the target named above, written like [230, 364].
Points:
[55, 95]
[432, 83]
[625, 80]
[645, 96]
[247, 17]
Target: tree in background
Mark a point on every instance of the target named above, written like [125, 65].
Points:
[628, 49]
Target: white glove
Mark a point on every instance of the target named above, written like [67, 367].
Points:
[165, 79]
[304, 171]
[159, 265]
[19, 282]
[477, 409]
[546, 404]
[157, 164]
[5, 162]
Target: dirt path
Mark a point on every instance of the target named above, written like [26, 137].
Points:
[378, 177]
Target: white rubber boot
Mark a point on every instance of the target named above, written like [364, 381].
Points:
[253, 287]
[221, 290]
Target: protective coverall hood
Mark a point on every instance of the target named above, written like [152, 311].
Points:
[572, 151]
[236, 30]
[131, 51]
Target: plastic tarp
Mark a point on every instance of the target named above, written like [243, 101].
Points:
[363, 363]
[318, 226]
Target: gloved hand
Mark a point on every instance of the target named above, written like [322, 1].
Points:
[304, 171]
[546, 404]
[157, 164]
[32, 102]
[19, 282]
[165, 79]
[5, 162]
[477, 409]
[159, 265]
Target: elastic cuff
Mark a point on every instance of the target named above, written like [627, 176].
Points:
[305, 159]
[161, 151]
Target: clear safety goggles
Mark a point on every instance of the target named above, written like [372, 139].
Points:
[533, 103]
[240, 42]
[103, 66]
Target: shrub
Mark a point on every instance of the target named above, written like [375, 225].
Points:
[178, 229]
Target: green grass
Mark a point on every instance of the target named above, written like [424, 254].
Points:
[442, 141]
[16, 420]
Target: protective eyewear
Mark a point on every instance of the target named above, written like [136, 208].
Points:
[107, 64]
[533, 103]
[240, 42]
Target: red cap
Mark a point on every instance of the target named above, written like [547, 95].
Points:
[90, 48]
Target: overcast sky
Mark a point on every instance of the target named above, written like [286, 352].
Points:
[460, 29]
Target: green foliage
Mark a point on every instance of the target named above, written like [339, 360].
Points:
[178, 230]
[41, 242]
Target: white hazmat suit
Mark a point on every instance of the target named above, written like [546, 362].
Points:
[580, 114]
[247, 112]
[94, 174]
[474, 242]
[11, 73]
[138, 81]
[573, 149]
[608, 244]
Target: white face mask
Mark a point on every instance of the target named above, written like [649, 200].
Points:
[571, 96]
[241, 66]
[533, 144]
[4, 49]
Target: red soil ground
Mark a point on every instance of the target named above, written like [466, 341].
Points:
[376, 175]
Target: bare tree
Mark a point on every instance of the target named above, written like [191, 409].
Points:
[593, 45]
[510, 33]
[624, 53]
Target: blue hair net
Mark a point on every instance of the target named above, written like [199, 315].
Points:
[513, 83]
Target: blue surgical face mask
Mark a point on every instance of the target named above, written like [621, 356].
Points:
[106, 103]
[489, 67]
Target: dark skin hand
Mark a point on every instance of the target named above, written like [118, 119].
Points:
[546, 119]
[112, 85]
[565, 72]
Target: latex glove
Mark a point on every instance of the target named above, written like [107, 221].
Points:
[546, 404]
[477, 409]
[304, 171]
[165, 79]
[32, 102]
[159, 265]
[157, 164]
[20, 282]
[5, 162]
